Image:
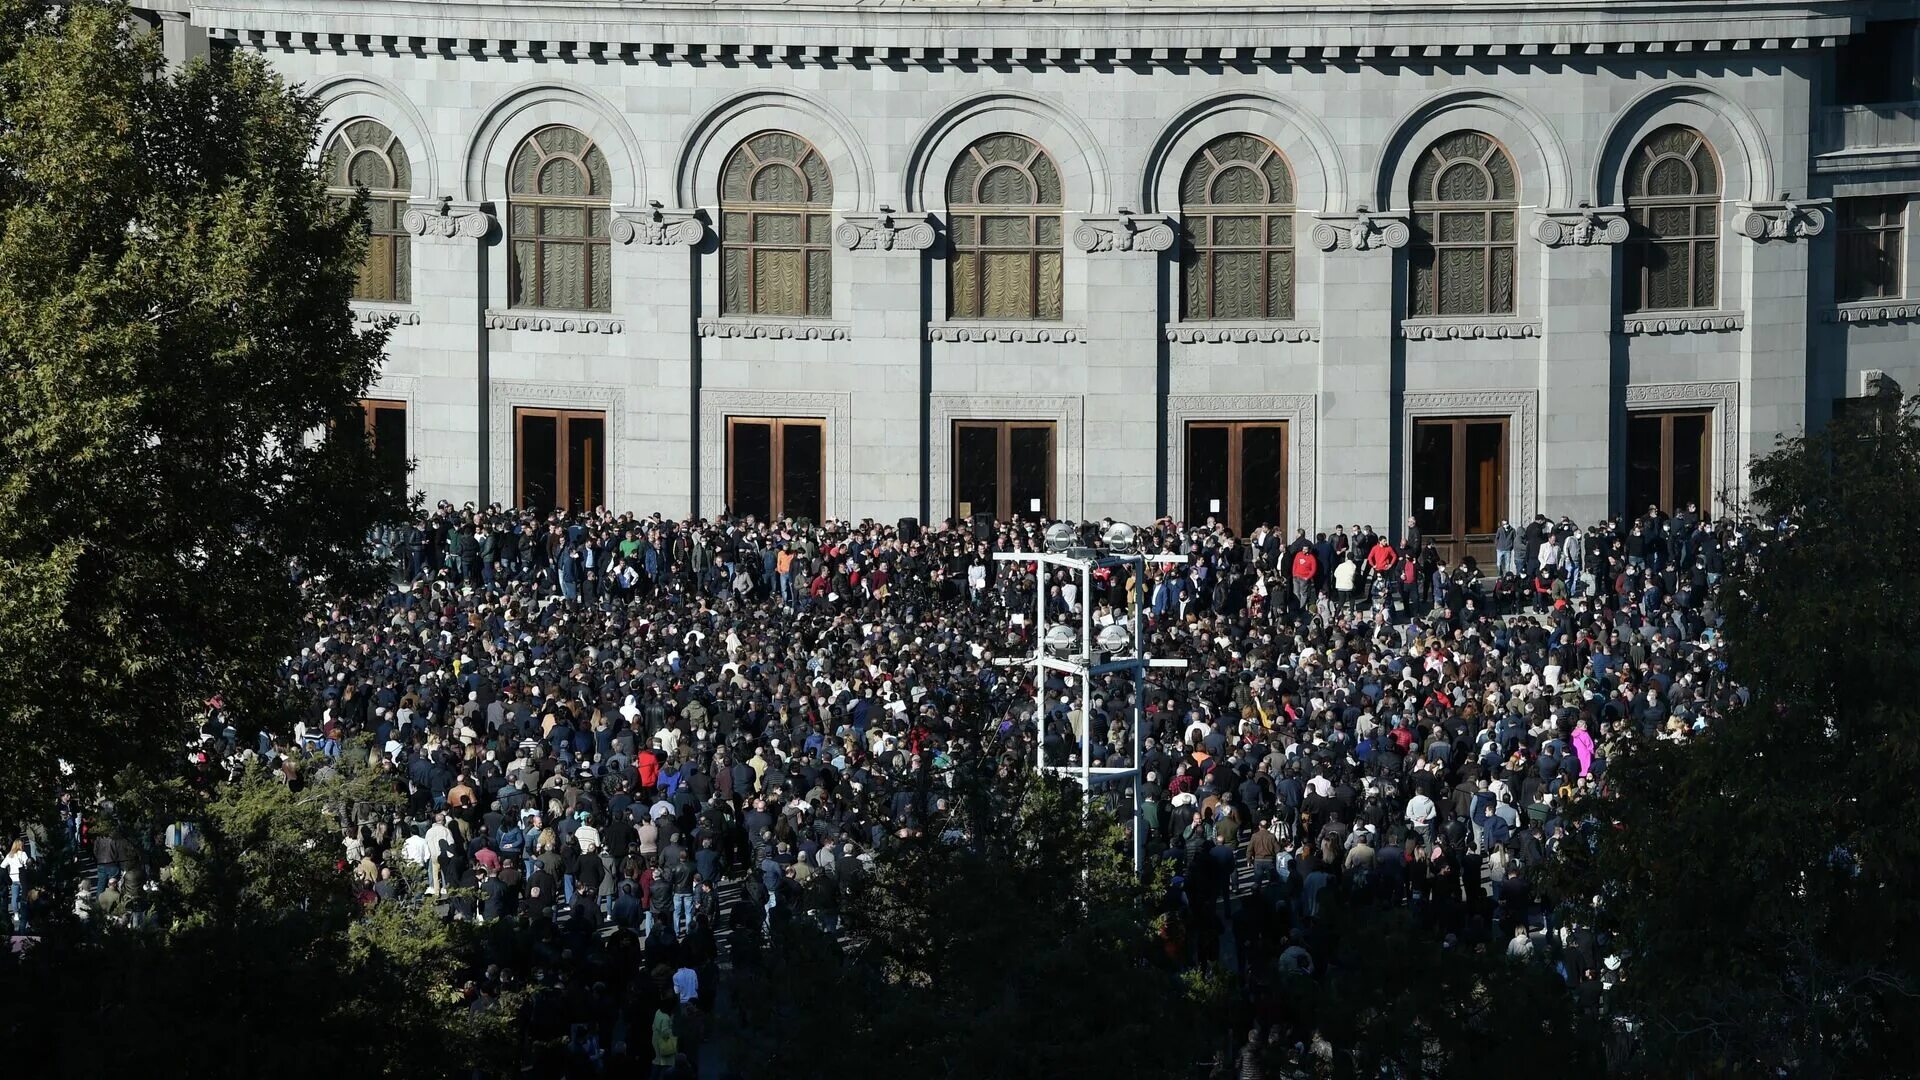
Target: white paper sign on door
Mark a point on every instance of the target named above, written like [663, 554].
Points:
[1034, 505]
[1429, 502]
[1213, 505]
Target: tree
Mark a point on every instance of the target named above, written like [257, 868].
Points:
[255, 958]
[174, 332]
[1759, 881]
[1397, 1001]
[1010, 940]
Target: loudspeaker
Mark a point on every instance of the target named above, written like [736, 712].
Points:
[909, 530]
[983, 526]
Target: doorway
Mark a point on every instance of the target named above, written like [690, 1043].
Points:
[387, 435]
[776, 467]
[1459, 484]
[559, 459]
[1668, 463]
[1236, 473]
[1003, 468]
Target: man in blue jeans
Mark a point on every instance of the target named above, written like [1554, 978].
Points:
[681, 875]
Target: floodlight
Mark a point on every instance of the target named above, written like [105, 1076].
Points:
[1119, 537]
[1061, 639]
[1114, 639]
[1061, 535]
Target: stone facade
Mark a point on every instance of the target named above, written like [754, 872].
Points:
[1122, 95]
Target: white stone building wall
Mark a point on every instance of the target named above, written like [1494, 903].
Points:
[1121, 96]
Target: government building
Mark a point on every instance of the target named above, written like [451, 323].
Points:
[1293, 262]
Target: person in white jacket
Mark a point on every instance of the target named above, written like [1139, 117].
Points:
[15, 865]
[1420, 812]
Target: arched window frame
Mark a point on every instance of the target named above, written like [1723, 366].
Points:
[1006, 253]
[1463, 255]
[776, 255]
[559, 252]
[386, 270]
[1675, 237]
[1238, 261]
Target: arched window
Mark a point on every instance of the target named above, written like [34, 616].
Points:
[1236, 201]
[365, 154]
[557, 191]
[775, 257]
[1464, 198]
[1673, 202]
[1003, 205]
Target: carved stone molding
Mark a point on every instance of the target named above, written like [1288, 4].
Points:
[835, 409]
[658, 227]
[773, 329]
[554, 322]
[1361, 231]
[884, 232]
[444, 219]
[1875, 311]
[1580, 226]
[1067, 412]
[1211, 333]
[1468, 329]
[1119, 233]
[506, 395]
[1521, 407]
[1723, 399]
[1029, 332]
[378, 313]
[1794, 219]
[1303, 443]
[1681, 322]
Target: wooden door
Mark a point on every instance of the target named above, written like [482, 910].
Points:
[1459, 484]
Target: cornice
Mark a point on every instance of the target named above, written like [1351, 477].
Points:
[558, 322]
[658, 226]
[1062, 33]
[1792, 219]
[397, 314]
[774, 329]
[1099, 234]
[1683, 322]
[1892, 309]
[1456, 329]
[1218, 333]
[884, 231]
[1867, 159]
[1687, 393]
[1580, 226]
[1362, 230]
[987, 331]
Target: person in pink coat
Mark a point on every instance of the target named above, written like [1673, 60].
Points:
[1583, 747]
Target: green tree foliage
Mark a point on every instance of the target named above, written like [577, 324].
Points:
[174, 331]
[1008, 941]
[1397, 1001]
[1760, 882]
[255, 959]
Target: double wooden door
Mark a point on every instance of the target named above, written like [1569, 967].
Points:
[1459, 484]
[1236, 473]
[1003, 468]
[559, 459]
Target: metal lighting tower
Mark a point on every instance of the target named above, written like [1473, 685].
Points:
[1079, 655]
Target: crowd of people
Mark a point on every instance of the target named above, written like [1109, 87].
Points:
[646, 743]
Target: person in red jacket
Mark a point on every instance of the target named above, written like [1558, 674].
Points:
[1380, 557]
[1305, 569]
